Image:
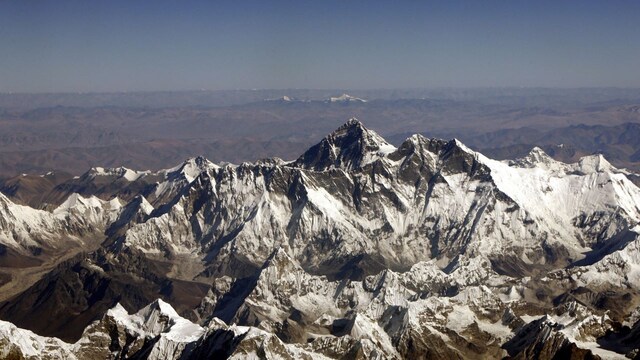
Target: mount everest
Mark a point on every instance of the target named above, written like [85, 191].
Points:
[357, 249]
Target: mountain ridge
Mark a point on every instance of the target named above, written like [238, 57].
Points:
[377, 237]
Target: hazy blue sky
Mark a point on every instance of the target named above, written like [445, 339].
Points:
[60, 45]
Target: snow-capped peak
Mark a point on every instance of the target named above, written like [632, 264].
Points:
[350, 146]
[284, 99]
[536, 158]
[346, 98]
[157, 315]
[119, 172]
[157, 318]
[191, 168]
[538, 155]
[594, 163]
[77, 201]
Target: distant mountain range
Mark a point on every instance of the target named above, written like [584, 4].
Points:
[35, 139]
[510, 96]
[357, 249]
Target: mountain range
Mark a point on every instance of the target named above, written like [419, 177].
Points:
[41, 133]
[357, 249]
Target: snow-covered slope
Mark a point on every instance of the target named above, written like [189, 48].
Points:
[354, 195]
[30, 231]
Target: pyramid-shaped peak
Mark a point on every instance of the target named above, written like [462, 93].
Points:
[455, 148]
[538, 155]
[349, 147]
[199, 162]
[160, 306]
[75, 201]
[420, 142]
[594, 163]
[537, 158]
[165, 308]
[191, 168]
[356, 130]
[157, 316]
[118, 312]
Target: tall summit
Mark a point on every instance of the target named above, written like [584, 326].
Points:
[350, 146]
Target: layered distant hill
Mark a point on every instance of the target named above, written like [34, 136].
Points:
[72, 132]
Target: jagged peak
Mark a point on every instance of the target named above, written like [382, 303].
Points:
[349, 147]
[437, 146]
[346, 98]
[160, 306]
[191, 168]
[442, 156]
[198, 161]
[352, 122]
[274, 161]
[419, 141]
[215, 323]
[139, 203]
[594, 163]
[537, 150]
[455, 157]
[456, 146]
[156, 318]
[118, 172]
[455, 142]
[535, 158]
[539, 156]
[76, 200]
[355, 127]
[589, 164]
[135, 210]
[117, 311]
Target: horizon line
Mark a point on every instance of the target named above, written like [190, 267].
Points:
[318, 89]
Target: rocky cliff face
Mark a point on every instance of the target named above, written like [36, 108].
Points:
[357, 249]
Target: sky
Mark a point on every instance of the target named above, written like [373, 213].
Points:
[135, 45]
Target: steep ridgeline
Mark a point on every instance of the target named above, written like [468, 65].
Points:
[357, 249]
